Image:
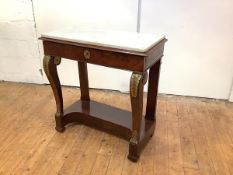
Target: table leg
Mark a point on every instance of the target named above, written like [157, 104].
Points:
[83, 78]
[152, 91]
[136, 95]
[50, 67]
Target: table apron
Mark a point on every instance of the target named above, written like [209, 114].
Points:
[100, 57]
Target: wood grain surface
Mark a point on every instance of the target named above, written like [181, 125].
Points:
[192, 136]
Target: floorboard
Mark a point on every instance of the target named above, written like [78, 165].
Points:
[193, 136]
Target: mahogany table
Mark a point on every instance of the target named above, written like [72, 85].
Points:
[123, 50]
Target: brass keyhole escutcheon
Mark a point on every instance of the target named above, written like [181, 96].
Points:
[87, 54]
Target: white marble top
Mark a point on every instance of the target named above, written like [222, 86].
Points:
[132, 41]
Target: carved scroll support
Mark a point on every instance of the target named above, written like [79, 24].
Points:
[137, 82]
[50, 67]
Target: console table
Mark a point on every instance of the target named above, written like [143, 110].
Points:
[134, 52]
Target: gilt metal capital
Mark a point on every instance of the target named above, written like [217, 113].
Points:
[57, 60]
[134, 83]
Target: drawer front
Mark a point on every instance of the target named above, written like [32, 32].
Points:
[96, 56]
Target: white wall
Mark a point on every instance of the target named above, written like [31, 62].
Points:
[19, 55]
[105, 14]
[231, 94]
[198, 57]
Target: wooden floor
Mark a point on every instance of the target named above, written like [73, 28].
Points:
[193, 136]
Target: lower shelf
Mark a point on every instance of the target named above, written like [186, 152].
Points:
[107, 118]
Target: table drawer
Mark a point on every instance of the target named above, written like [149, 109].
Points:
[126, 61]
